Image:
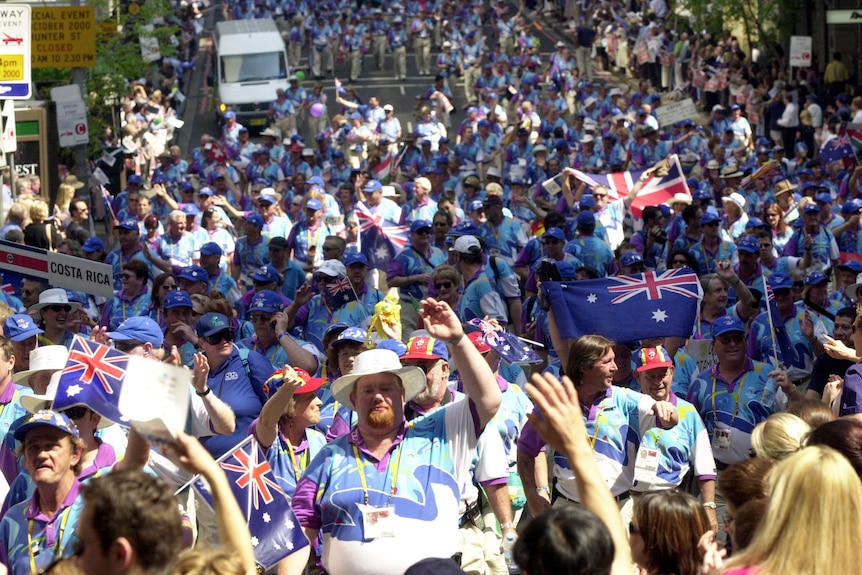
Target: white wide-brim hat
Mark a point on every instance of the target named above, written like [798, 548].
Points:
[47, 357]
[376, 361]
[50, 297]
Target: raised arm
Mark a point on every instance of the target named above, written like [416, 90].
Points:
[478, 379]
[267, 425]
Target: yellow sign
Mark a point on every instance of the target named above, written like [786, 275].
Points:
[11, 67]
[64, 37]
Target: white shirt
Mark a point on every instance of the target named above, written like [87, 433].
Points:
[790, 117]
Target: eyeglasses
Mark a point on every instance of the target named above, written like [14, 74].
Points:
[170, 287]
[349, 352]
[126, 276]
[798, 285]
[442, 285]
[329, 248]
[765, 246]
[730, 338]
[423, 232]
[261, 317]
[196, 313]
[76, 412]
[552, 241]
[57, 308]
[596, 196]
[225, 335]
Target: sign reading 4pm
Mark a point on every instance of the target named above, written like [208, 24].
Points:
[64, 37]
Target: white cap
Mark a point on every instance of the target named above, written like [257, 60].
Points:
[332, 268]
[494, 172]
[466, 245]
[735, 198]
[388, 108]
[589, 102]
[587, 139]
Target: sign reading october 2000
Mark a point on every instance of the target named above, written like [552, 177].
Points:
[64, 37]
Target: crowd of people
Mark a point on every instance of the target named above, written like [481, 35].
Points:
[371, 309]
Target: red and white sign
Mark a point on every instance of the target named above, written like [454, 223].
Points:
[59, 270]
[800, 51]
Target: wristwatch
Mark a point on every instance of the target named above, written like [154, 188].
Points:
[203, 393]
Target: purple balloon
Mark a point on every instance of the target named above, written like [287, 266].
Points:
[317, 110]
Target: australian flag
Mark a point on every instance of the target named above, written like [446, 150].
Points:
[337, 293]
[838, 148]
[780, 340]
[508, 346]
[627, 308]
[275, 531]
[381, 239]
[93, 377]
[661, 185]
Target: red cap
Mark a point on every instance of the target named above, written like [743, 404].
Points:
[478, 339]
[309, 384]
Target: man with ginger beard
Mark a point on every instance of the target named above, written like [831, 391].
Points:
[387, 494]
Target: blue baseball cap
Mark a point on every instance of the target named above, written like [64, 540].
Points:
[194, 274]
[631, 258]
[476, 205]
[851, 206]
[754, 222]
[142, 329]
[190, 209]
[93, 244]
[811, 208]
[229, 115]
[351, 334]
[334, 329]
[372, 186]
[709, 217]
[211, 249]
[780, 281]
[135, 179]
[815, 278]
[566, 269]
[852, 265]
[555, 233]
[823, 198]
[254, 218]
[424, 348]
[587, 201]
[354, 258]
[177, 298]
[265, 273]
[700, 194]
[748, 244]
[419, 225]
[396, 345]
[313, 204]
[266, 301]
[726, 324]
[19, 327]
[206, 191]
[159, 178]
[586, 219]
[187, 185]
[47, 418]
[211, 324]
[127, 224]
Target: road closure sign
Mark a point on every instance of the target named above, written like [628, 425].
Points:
[800, 51]
[15, 44]
[64, 37]
[58, 270]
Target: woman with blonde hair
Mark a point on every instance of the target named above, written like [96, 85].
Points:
[780, 436]
[811, 524]
[42, 232]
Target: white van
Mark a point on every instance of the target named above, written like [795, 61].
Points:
[251, 66]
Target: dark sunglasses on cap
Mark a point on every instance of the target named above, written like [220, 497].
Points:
[224, 335]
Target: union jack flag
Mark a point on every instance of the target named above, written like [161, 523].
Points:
[655, 190]
[93, 376]
[339, 285]
[381, 239]
[275, 530]
[653, 284]
[627, 308]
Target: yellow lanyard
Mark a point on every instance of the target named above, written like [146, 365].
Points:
[298, 463]
[58, 550]
[596, 428]
[736, 397]
[361, 470]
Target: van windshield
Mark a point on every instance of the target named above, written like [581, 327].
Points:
[253, 67]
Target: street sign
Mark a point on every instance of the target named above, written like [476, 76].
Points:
[15, 44]
[9, 137]
[71, 115]
[58, 270]
[676, 112]
[64, 37]
[800, 51]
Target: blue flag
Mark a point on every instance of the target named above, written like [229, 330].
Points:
[275, 530]
[780, 340]
[337, 293]
[508, 346]
[93, 377]
[627, 308]
[381, 239]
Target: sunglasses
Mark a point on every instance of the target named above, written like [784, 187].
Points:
[423, 232]
[224, 335]
[126, 346]
[734, 338]
[798, 285]
[552, 241]
[442, 285]
[57, 308]
[261, 317]
[329, 248]
[126, 276]
[76, 412]
[170, 287]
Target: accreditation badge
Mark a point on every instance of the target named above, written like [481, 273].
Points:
[377, 522]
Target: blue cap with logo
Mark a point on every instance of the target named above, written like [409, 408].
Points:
[266, 301]
[554, 233]
[177, 298]
[726, 324]
[351, 334]
[19, 327]
[93, 244]
[47, 418]
[748, 244]
[265, 273]
[631, 258]
[127, 224]
[211, 324]
[354, 258]
[419, 225]
[254, 218]
[141, 329]
[194, 274]
[313, 204]
[780, 281]
[815, 278]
